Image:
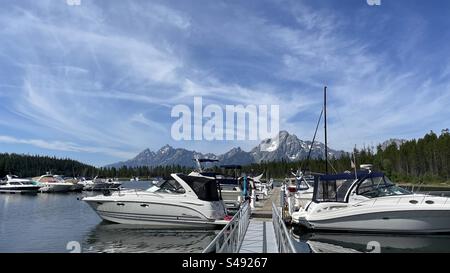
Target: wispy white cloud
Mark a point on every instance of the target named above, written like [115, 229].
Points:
[92, 75]
[67, 146]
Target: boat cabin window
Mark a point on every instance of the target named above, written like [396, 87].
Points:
[170, 186]
[379, 186]
[331, 189]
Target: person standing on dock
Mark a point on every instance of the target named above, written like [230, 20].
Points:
[247, 188]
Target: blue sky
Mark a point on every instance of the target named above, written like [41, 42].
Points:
[97, 82]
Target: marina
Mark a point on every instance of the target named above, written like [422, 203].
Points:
[49, 222]
[219, 208]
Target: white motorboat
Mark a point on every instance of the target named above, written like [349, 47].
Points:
[53, 183]
[100, 184]
[14, 184]
[305, 189]
[76, 185]
[372, 203]
[262, 187]
[298, 191]
[290, 188]
[181, 201]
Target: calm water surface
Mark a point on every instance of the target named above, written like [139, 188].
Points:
[48, 222]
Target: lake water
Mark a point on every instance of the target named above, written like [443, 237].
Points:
[327, 242]
[62, 223]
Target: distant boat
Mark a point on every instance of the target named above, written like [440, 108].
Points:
[76, 185]
[14, 184]
[99, 184]
[134, 178]
[53, 183]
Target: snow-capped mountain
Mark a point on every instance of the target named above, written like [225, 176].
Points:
[290, 148]
[282, 147]
[165, 156]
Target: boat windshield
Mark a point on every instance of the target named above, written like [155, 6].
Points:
[379, 186]
[170, 186]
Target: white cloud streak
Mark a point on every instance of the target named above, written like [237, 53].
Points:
[91, 75]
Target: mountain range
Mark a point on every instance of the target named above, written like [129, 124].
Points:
[284, 146]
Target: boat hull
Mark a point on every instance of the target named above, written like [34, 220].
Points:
[149, 214]
[407, 221]
[19, 189]
[100, 186]
[55, 187]
[76, 188]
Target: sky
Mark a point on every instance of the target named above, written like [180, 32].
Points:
[96, 82]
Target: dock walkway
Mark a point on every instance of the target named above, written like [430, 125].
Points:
[263, 208]
[260, 235]
[259, 238]
[257, 230]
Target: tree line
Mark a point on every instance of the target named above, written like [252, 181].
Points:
[35, 165]
[425, 160]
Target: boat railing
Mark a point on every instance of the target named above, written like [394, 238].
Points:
[399, 199]
[230, 238]
[282, 235]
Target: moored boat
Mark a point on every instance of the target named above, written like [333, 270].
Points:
[14, 184]
[52, 183]
[370, 202]
[181, 201]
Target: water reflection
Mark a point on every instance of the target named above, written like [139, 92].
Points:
[385, 243]
[107, 237]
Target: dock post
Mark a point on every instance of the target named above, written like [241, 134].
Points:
[253, 199]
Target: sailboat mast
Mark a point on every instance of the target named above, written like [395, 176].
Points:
[325, 119]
